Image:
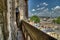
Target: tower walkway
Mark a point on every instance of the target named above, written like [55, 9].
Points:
[29, 32]
[19, 35]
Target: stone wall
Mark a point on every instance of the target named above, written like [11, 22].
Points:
[32, 33]
[1, 25]
[23, 9]
[11, 17]
[8, 27]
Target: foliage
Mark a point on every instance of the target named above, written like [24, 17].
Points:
[35, 18]
[54, 21]
[57, 20]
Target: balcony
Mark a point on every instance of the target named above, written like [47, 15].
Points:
[32, 33]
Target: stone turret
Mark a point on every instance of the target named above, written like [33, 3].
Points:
[8, 17]
[23, 9]
[3, 20]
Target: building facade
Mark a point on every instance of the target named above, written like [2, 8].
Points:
[3, 20]
[8, 25]
[23, 8]
[11, 16]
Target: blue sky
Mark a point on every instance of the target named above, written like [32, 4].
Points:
[43, 7]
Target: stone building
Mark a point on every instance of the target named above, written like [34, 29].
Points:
[3, 20]
[11, 17]
[7, 20]
[8, 25]
[23, 5]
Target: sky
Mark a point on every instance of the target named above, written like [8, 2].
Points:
[44, 7]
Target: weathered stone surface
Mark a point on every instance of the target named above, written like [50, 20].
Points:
[1, 34]
[1, 25]
[19, 35]
[23, 9]
[3, 6]
[8, 19]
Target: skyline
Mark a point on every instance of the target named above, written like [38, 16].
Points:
[44, 7]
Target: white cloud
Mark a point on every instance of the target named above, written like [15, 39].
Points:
[46, 9]
[30, 14]
[44, 12]
[57, 7]
[52, 8]
[45, 4]
[37, 5]
[42, 8]
[33, 10]
[38, 8]
[56, 11]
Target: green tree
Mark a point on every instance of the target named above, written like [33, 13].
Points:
[57, 20]
[35, 18]
[53, 21]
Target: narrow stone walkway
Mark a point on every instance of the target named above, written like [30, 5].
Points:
[19, 35]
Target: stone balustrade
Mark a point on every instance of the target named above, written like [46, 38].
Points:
[32, 33]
